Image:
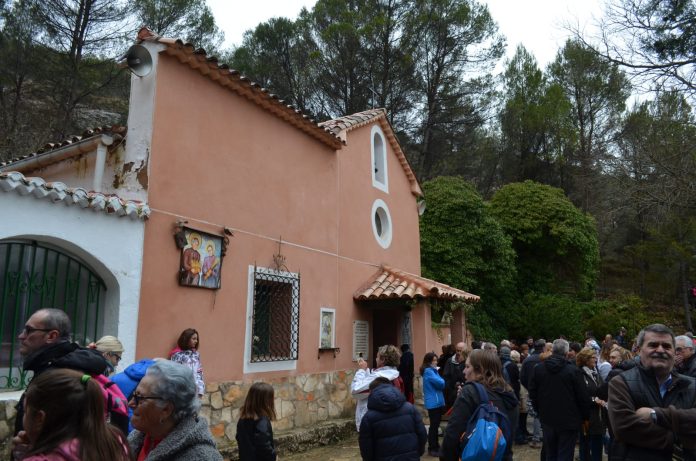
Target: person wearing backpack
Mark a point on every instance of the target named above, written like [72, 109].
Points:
[485, 369]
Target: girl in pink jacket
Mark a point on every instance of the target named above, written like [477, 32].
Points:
[64, 421]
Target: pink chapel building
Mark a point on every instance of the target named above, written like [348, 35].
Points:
[291, 246]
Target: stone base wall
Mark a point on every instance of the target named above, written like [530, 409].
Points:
[300, 401]
[7, 419]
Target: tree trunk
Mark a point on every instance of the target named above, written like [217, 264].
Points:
[686, 286]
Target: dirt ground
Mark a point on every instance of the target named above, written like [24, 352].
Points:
[348, 450]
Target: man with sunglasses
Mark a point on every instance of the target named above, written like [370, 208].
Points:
[651, 406]
[44, 343]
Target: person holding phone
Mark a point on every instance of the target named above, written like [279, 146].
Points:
[388, 357]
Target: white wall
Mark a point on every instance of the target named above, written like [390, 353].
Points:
[111, 245]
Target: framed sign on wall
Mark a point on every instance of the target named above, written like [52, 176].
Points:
[327, 331]
[361, 340]
[201, 259]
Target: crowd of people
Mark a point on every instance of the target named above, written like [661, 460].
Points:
[569, 390]
[633, 402]
[69, 410]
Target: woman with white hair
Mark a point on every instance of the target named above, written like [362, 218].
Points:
[165, 417]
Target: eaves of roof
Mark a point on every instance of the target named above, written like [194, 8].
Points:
[351, 122]
[58, 151]
[57, 192]
[231, 79]
[389, 283]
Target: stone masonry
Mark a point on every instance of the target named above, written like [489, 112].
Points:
[300, 401]
[7, 418]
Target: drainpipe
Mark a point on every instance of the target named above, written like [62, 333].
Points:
[100, 162]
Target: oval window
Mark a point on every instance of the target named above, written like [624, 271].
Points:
[381, 223]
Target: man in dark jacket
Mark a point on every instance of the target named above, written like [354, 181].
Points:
[685, 359]
[531, 361]
[510, 370]
[392, 428]
[527, 366]
[45, 344]
[652, 409]
[406, 371]
[454, 374]
[562, 401]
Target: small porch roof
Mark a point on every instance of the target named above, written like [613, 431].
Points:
[389, 283]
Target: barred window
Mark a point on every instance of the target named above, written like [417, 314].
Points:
[276, 315]
[35, 275]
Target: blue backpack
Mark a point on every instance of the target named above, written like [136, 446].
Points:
[487, 432]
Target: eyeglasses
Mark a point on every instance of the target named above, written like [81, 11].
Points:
[115, 355]
[680, 349]
[137, 398]
[29, 330]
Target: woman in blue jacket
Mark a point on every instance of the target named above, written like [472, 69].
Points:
[433, 385]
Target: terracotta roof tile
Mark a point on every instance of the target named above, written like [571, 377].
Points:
[390, 283]
[208, 65]
[351, 122]
[72, 139]
[59, 192]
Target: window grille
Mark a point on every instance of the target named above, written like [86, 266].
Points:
[276, 316]
[33, 276]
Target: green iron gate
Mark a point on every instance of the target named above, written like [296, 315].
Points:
[34, 275]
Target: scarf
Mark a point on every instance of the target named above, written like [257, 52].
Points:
[592, 373]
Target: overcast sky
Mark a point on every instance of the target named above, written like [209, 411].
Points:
[537, 24]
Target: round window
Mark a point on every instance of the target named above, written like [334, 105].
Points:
[381, 223]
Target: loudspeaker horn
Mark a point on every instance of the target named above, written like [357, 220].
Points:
[421, 207]
[138, 60]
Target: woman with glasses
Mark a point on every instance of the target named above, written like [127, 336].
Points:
[165, 417]
[111, 349]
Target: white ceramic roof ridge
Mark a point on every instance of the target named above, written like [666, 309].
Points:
[58, 192]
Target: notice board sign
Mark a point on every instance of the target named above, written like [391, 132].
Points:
[361, 340]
